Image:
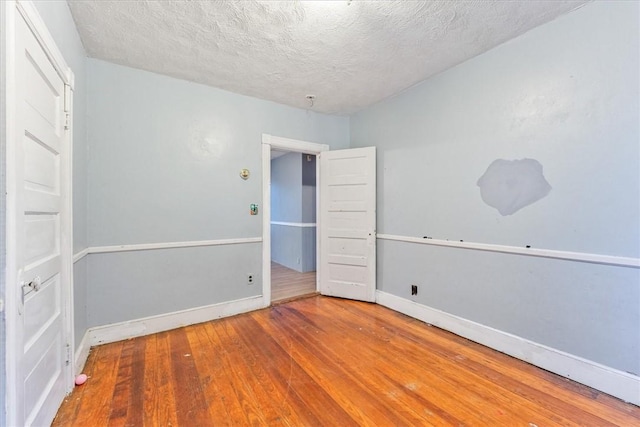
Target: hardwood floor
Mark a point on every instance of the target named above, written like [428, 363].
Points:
[287, 283]
[325, 362]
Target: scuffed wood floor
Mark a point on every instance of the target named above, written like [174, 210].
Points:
[287, 283]
[325, 362]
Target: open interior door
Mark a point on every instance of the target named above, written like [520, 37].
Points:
[39, 214]
[348, 223]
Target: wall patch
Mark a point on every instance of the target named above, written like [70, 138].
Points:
[510, 185]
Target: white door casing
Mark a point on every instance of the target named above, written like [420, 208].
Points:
[39, 232]
[347, 212]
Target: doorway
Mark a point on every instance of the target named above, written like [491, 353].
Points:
[293, 225]
[293, 270]
[345, 218]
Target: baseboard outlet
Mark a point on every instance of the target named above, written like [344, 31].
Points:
[165, 322]
[81, 354]
[620, 384]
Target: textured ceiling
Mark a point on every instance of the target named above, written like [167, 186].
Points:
[349, 54]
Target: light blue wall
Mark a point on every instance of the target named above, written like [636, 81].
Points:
[565, 94]
[308, 188]
[308, 169]
[132, 285]
[286, 246]
[165, 157]
[166, 154]
[308, 260]
[308, 234]
[560, 94]
[286, 188]
[286, 206]
[293, 246]
[59, 22]
[587, 310]
[309, 203]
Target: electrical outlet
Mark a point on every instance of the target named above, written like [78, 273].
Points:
[249, 279]
[414, 289]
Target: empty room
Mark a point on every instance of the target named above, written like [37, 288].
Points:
[320, 213]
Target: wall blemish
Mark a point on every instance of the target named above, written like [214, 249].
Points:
[510, 185]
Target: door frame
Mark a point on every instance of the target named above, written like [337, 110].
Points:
[13, 10]
[296, 146]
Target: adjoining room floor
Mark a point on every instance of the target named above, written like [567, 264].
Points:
[325, 362]
[287, 283]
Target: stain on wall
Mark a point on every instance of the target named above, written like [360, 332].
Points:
[510, 185]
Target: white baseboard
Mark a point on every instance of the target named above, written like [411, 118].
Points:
[81, 354]
[620, 384]
[165, 322]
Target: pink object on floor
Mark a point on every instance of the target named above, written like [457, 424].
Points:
[81, 379]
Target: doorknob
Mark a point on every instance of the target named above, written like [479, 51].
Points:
[32, 286]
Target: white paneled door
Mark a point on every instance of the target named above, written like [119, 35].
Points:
[348, 223]
[38, 188]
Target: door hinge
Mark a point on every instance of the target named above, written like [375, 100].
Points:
[67, 107]
[67, 98]
[68, 355]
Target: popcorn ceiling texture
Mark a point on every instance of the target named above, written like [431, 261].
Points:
[349, 54]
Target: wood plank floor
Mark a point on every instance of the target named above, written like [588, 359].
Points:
[325, 362]
[287, 283]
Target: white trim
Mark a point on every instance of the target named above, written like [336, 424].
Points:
[172, 245]
[166, 245]
[535, 252]
[165, 322]
[169, 245]
[266, 221]
[66, 225]
[620, 384]
[79, 255]
[82, 353]
[295, 224]
[294, 145]
[319, 271]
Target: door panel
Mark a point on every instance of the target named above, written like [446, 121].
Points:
[44, 168]
[41, 239]
[348, 223]
[42, 332]
[348, 247]
[36, 321]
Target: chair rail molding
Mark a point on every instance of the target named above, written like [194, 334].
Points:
[515, 250]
